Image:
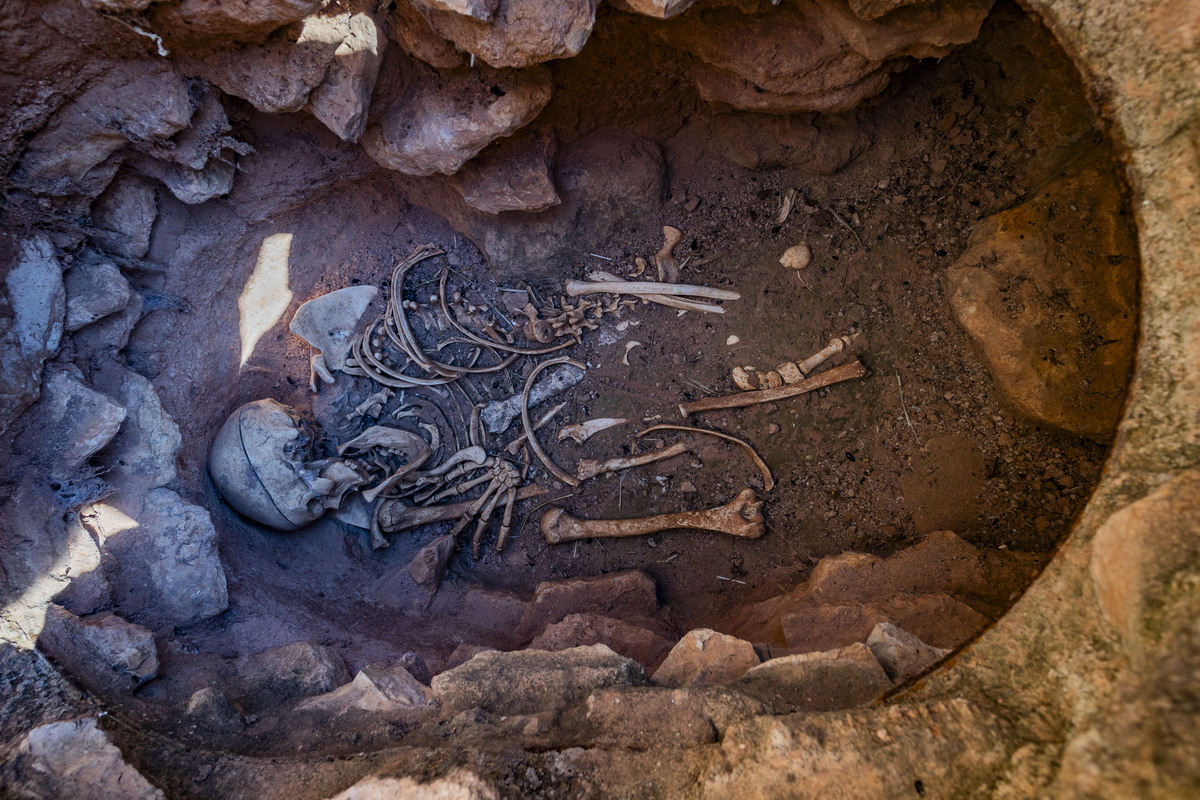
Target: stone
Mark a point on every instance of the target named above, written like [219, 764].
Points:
[459, 784]
[110, 334]
[416, 666]
[103, 652]
[937, 615]
[644, 718]
[902, 655]
[515, 174]
[659, 9]
[73, 759]
[1049, 296]
[124, 215]
[293, 670]
[205, 136]
[31, 321]
[142, 457]
[623, 595]
[609, 182]
[442, 120]
[407, 27]
[812, 57]
[342, 98]
[73, 422]
[231, 19]
[95, 288]
[464, 653]
[194, 186]
[532, 681]
[35, 693]
[134, 100]
[821, 144]
[164, 550]
[210, 710]
[703, 657]
[88, 590]
[642, 644]
[494, 611]
[823, 681]
[482, 10]
[520, 33]
[376, 689]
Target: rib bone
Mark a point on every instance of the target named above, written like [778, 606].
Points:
[742, 517]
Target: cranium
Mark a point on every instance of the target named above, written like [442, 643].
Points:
[261, 463]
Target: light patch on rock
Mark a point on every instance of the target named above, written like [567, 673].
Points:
[75, 759]
[458, 785]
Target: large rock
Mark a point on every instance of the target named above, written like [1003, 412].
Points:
[231, 19]
[704, 656]
[32, 312]
[532, 681]
[143, 455]
[195, 186]
[438, 121]
[210, 710]
[95, 288]
[458, 785]
[515, 174]
[72, 759]
[623, 595]
[653, 719]
[643, 643]
[377, 689]
[818, 681]
[814, 56]
[293, 670]
[124, 215]
[144, 101]
[167, 571]
[72, 423]
[103, 652]
[936, 615]
[1048, 293]
[659, 9]
[609, 182]
[407, 27]
[342, 98]
[902, 655]
[35, 693]
[520, 33]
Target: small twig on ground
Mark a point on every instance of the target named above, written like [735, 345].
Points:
[904, 408]
[844, 224]
[597, 255]
[731, 580]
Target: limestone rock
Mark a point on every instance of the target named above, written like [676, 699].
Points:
[167, 569]
[32, 313]
[74, 759]
[458, 785]
[211, 711]
[123, 216]
[520, 33]
[643, 644]
[195, 186]
[609, 182]
[134, 101]
[94, 289]
[813, 57]
[231, 19]
[902, 655]
[464, 653]
[440, 121]
[657, 719]
[35, 693]
[1048, 293]
[205, 136]
[376, 689]
[515, 174]
[142, 457]
[704, 656]
[407, 27]
[73, 422]
[659, 9]
[292, 670]
[532, 681]
[818, 681]
[623, 595]
[342, 98]
[482, 10]
[936, 615]
[104, 652]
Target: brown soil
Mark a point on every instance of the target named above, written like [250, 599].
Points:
[856, 466]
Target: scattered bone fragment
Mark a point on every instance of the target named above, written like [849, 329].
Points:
[662, 299]
[641, 265]
[591, 467]
[577, 288]
[664, 259]
[749, 378]
[768, 480]
[499, 414]
[785, 208]
[732, 340]
[329, 324]
[580, 432]
[741, 517]
[797, 256]
[629, 346]
[846, 372]
[372, 406]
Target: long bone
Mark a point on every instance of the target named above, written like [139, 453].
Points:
[846, 372]
[576, 288]
[590, 467]
[661, 299]
[741, 517]
[748, 378]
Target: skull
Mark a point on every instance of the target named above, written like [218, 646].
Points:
[261, 463]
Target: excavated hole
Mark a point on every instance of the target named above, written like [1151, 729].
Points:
[856, 470]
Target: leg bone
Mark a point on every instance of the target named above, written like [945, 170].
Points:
[741, 517]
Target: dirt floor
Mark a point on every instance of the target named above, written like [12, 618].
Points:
[922, 443]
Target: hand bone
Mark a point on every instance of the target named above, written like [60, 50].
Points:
[741, 517]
